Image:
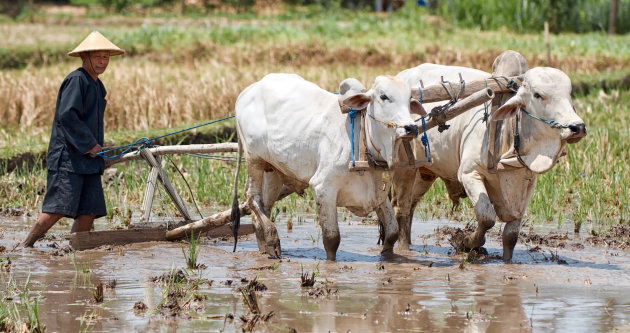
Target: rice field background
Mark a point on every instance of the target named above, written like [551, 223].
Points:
[185, 70]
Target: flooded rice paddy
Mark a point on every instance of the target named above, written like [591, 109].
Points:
[428, 289]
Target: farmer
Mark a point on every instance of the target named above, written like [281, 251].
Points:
[74, 186]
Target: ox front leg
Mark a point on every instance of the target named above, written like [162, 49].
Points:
[510, 237]
[266, 232]
[408, 189]
[390, 226]
[486, 216]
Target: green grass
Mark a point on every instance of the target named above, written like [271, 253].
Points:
[406, 30]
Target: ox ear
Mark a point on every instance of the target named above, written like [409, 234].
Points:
[509, 109]
[358, 101]
[416, 107]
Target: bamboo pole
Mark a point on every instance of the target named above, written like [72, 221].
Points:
[460, 107]
[436, 93]
[227, 147]
[206, 224]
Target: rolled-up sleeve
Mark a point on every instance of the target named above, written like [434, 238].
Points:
[70, 109]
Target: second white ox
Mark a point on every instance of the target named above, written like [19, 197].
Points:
[460, 154]
[294, 136]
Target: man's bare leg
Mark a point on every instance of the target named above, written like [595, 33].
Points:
[44, 222]
[83, 223]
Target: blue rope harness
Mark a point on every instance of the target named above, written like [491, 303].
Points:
[551, 123]
[352, 114]
[146, 141]
[425, 139]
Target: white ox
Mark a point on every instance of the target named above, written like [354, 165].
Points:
[294, 136]
[499, 186]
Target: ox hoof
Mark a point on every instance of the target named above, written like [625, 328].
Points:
[403, 246]
[273, 250]
[469, 243]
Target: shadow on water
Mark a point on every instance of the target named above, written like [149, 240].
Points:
[425, 289]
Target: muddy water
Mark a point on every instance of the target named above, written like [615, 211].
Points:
[423, 290]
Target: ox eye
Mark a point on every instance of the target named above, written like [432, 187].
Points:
[537, 95]
[384, 97]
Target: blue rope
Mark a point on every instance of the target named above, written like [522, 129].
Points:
[425, 140]
[146, 141]
[352, 114]
[551, 123]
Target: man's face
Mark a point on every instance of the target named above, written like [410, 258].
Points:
[99, 61]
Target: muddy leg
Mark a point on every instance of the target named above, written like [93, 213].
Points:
[327, 208]
[407, 193]
[266, 233]
[273, 187]
[473, 183]
[390, 226]
[44, 222]
[510, 237]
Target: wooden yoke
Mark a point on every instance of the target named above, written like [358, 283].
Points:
[436, 93]
[361, 162]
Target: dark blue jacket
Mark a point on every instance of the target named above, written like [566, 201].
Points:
[78, 125]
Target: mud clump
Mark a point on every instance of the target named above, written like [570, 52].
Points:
[556, 240]
[139, 307]
[175, 277]
[456, 237]
[618, 237]
[14, 212]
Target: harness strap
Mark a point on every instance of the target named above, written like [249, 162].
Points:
[352, 114]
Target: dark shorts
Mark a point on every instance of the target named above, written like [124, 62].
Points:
[74, 194]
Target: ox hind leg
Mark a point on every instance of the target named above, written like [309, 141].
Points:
[486, 216]
[266, 233]
[406, 195]
[510, 237]
[327, 210]
[385, 214]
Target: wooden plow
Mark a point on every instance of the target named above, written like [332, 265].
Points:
[469, 95]
[214, 225]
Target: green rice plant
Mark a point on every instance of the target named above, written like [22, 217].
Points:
[86, 322]
[21, 313]
[193, 252]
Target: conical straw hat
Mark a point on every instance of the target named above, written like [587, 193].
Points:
[96, 42]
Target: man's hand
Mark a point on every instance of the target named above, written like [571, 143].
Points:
[95, 150]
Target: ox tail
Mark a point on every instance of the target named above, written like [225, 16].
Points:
[236, 214]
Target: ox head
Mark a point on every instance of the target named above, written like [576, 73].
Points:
[389, 106]
[546, 94]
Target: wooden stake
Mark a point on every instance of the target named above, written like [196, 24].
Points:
[547, 44]
[177, 200]
[149, 192]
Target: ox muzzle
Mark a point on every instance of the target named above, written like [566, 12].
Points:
[411, 132]
[578, 131]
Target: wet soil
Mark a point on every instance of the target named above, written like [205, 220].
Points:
[429, 288]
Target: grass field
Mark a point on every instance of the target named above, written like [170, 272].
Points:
[185, 71]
